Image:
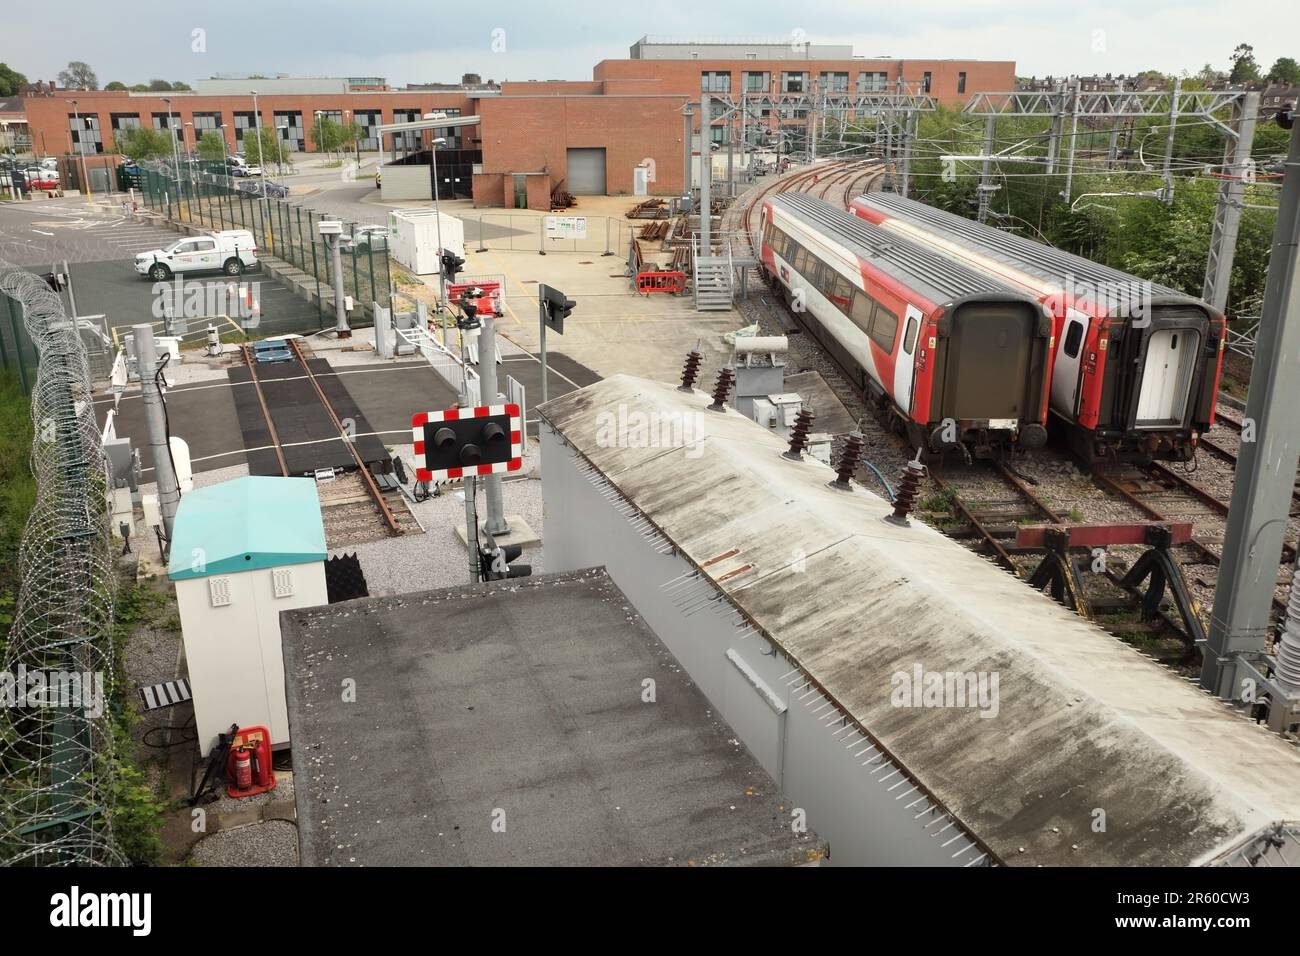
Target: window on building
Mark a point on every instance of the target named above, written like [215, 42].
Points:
[124, 120]
[717, 134]
[872, 82]
[834, 82]
[84, 129]
[368, 120]
[715, 81]
[244, 121]
[925, 82]
[166, 121]
[757, 82]
[961, 82]
[290, 129]
[794, 82]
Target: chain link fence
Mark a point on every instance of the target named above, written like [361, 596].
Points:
[56, 667]
[205, 197]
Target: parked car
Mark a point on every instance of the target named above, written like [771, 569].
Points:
[365, 237]
[254, 187]
[231, 251]
[241, 167]
[38, 177]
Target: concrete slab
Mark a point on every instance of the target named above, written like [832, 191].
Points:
[520, 532]
[536, 721]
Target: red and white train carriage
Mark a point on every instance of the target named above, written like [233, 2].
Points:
[958, 359]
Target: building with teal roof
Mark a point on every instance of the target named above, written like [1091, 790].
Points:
[243, 551]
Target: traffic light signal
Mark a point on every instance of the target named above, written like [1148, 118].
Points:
[557, 307]
[494, 563]
[451, 264]
[467, 441]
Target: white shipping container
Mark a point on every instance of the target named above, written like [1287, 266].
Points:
[413, 238]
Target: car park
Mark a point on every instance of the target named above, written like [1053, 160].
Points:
[231, 251]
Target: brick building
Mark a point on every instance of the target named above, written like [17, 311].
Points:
[592, 135]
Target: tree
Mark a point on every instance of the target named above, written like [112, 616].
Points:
[139, 88]
[141, 143]
[270, 146]
[179, 87]
[11, 81]
[327, 135]
[159, 86]
[115, 85]
[1285, 71]
[1244, 67]
[212, 146]
[1211, 78]
[79, 76]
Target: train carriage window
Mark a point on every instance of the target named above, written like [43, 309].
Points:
[1073, 338]
[909, 337]
[884, 327]
[841, 293]
[801, 261]
[860, 312]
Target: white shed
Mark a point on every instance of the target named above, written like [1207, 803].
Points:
[242, 552]
[414, 238]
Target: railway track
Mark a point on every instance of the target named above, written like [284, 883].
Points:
[987, 518]
[353, 499]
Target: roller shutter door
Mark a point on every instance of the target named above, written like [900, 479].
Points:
[586, 172]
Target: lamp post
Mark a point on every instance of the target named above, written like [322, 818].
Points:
[192, 149]
[320, 133]
[81, 148]
[171, 131]
[437, 212]
[261, 161]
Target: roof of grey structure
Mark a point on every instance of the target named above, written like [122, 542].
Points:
[523, 696]
[1084, 721]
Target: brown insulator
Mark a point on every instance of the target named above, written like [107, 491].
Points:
[691, 371]
[726, 378]
[799, 434]
[849, 458]
[907, 489]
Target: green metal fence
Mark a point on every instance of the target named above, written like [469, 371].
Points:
[17, 353]
[204, 197]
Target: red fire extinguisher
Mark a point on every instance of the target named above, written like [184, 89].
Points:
[243, 768]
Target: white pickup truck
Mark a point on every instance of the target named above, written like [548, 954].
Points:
[230, 251]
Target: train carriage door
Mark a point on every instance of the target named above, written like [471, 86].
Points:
[1069, 362]
[905, 363]
[1166, 375]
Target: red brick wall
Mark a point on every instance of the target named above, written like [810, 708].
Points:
[529, 134]
[539, 191]
[683, 76]
[48, 115]
[489, 189]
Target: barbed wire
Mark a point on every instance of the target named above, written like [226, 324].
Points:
[56, 740]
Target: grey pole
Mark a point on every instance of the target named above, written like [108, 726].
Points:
[261, 159]
[1266, 467]
[706, 176]
[909, 131]
[437, 215]
[689, 131]
[1227, 212]
[487, 381]
[169, 492]
[341, 328]
[1169, 140]
[1054, 137]
[1112, 153]
[541, 329]
[1074, 134]
[986, 168]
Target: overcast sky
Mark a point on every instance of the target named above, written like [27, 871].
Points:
[408, 41]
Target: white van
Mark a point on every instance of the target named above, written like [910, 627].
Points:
[230, 251]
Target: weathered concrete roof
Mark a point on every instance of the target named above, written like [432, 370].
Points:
[1084, 723]
[524, 696]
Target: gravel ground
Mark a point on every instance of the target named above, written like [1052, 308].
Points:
[437, 559]
[283, 793]
[274, 843]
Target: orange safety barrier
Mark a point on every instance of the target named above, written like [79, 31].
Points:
[674, 282]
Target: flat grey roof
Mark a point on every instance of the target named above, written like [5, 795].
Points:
[521, 701]
[1084, 721]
